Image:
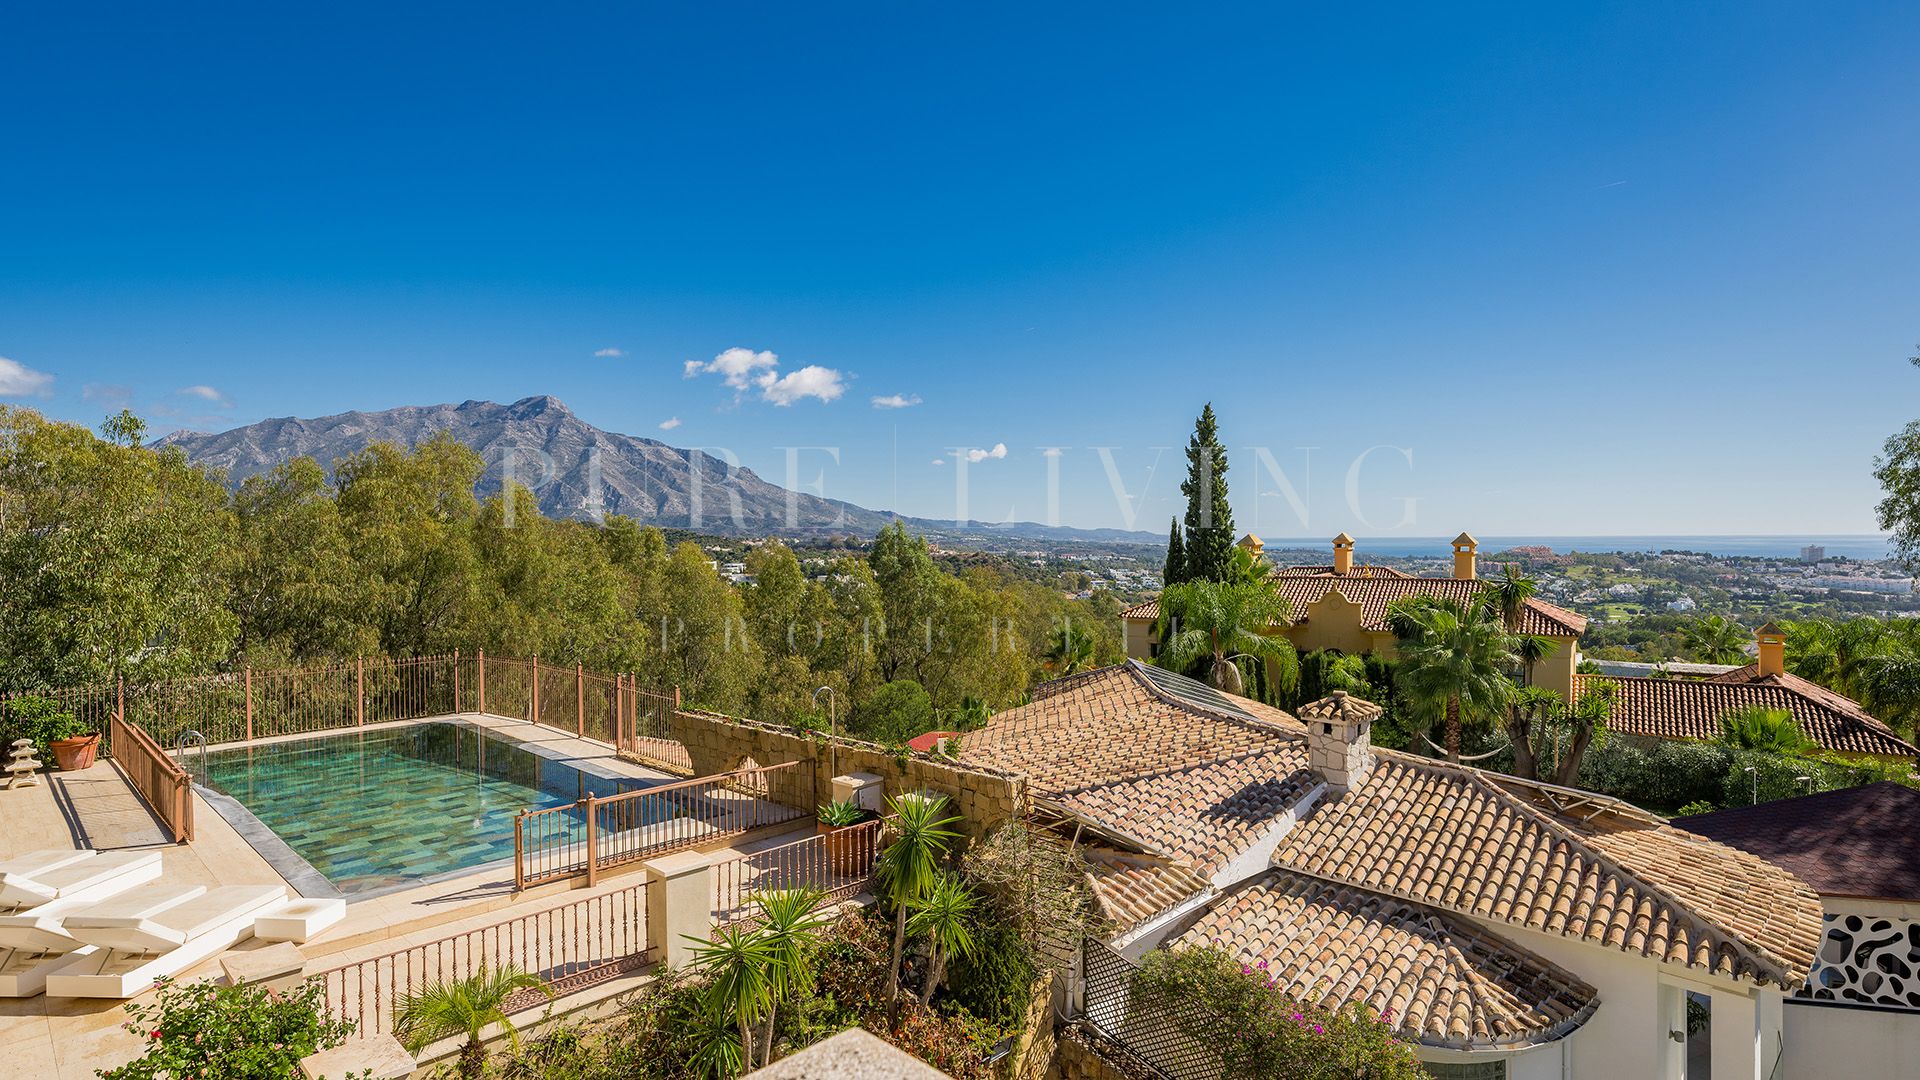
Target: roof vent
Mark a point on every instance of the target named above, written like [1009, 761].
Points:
[1340, 738]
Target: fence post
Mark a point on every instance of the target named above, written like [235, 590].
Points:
[593, 852]
[120, 698]
[679, 904]
[359, 691]
[483, 681]
[619, 712]
[580, 700]
[249, 703]
[536, 688]
[456, 681]
[519, 849]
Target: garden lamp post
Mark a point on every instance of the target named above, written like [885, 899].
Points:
[1807, 780]
[833, 729]
[1751, 771]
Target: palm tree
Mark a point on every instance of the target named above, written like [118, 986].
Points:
[945, 916]
[1070, 649]
[909, 867]
[1584, 719]
[1889, 686]
[1453, 663]
[739, 964]
[790, 923]
[1715, 639]
[1528, 706]
[1507, 596]
[1756, 727]
[463, 1007]
[1219, 622]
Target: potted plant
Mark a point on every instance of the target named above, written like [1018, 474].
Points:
[53, 728]
[836, 818]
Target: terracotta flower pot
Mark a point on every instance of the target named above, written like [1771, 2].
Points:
[75, 755]
[844, 850]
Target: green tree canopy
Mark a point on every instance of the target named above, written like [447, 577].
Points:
[1209, 521]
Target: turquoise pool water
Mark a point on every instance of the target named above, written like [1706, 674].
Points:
[382, 809]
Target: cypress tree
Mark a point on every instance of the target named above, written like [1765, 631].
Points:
[1209, 534]
[1176, 568]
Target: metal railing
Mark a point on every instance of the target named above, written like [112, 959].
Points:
[645, 731]
[839, 863]
[158, 778]
[1152, 1036]
[570, 947]
[589, 837]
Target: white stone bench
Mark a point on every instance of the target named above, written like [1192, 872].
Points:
[382, 1055]
[299, 920]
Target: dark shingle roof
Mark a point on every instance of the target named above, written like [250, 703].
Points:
[1851, 842]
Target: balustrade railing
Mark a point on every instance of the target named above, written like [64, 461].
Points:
[589, 837]
[838, 863]
[570, 947]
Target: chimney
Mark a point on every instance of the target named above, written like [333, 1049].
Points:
[1343, 554]
[1340, 739]
[1773, 650]
[1464, 547]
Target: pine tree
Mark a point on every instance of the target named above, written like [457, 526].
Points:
[1209, 536]
[1176, 568]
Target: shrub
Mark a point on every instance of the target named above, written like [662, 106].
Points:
[41, 719]
[894, 713]
[1258, 1031]
[996, 982]
[1667, 774]
[232, 1032]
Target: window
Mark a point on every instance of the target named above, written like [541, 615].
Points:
[1466, 1070]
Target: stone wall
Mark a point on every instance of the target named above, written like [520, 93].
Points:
[716, 744]
[1082, 1054]
[1033, 1046]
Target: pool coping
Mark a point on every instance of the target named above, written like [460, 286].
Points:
[307, 881]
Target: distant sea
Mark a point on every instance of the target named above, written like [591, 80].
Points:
[1855, 546]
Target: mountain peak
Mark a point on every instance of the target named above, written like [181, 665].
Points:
[540, 405]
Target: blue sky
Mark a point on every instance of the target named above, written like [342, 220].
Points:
[1624, 271]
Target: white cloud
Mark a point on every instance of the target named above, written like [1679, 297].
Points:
[999, 451]
[205, 393]
[107, 393]
[896, 401]
[939, 461]
[669, 423]
[19, 380]
[812, 381]
[745, 370]
[609, 351]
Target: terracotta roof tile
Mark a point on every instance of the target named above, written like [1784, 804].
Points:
[1132, 888]
[1441, 980]
[1481, 844]
[1375, 594]
[1692, 708]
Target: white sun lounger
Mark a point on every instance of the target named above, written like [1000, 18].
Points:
[95, 874]
[35, 943]
[131, 951]
[38, 862]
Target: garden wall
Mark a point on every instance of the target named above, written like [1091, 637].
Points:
[1080, 1054]
[717, 743]
[1033, 1047]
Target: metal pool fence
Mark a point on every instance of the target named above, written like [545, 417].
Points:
[838, 863]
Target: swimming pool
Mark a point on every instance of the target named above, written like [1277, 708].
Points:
[378, 810]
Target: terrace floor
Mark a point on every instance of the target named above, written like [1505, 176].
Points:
[67, 1039]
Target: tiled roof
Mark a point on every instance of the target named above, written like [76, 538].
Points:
[1375, 594]
[1479, 844]
[1852, 842]
[1205, 814]
[1132, 888]
[1201, 784]
[1119, 722]
[1328, 571]
[1692, 708]
[1447, 982]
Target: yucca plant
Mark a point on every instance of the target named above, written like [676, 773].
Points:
[464, 1007]
[945, 916]
[790, 925]
[910, 867]
[739, 965]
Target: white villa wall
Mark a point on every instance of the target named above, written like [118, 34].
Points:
[1825, 1041]
[1627, 1034]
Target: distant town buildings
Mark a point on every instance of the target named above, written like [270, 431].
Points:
[1812, 553]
